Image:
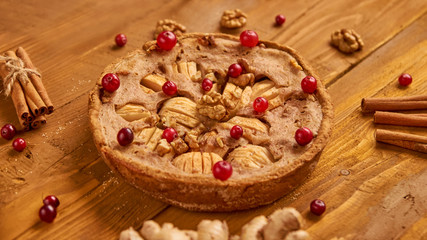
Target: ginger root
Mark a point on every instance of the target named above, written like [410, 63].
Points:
[283, 224]
[212, 230]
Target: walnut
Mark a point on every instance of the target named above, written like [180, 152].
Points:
[192, 136]
[150, 46]
[346, 40]
[179, 145]
[295, 64]
[163, 147]
[211, 105]
[169, 25]
[207, 41]
[243, 79]
[233, 19]
[231, 96]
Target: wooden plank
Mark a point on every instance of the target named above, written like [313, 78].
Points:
[376, 167]
[72, 44]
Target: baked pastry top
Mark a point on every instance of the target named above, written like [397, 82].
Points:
[267, 151]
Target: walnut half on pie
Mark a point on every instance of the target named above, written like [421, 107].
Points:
[267, 161]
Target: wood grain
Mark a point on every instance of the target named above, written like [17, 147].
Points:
[372, 190]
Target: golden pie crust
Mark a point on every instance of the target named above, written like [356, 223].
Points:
[277, 164]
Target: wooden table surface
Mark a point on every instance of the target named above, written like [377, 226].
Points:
[372, 190]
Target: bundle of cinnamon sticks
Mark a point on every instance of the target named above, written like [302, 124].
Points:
[24, 84]
[381, 106]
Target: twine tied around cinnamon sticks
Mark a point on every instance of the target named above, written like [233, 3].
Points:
[381, 106]
[23, 83]
[17, 70]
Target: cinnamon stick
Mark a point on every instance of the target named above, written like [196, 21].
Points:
[31, 93]
[18, 97]
[394, 104]
[405, 140]
[35, 80]
[38, 122]
[401, 119]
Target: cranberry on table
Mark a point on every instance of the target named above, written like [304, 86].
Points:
[317, 207]
[125, 136]
[207, 84]
[249, 38]
[280, 19]
[222, 170]
[110, 82]
[260, 104]
[405, 79]
[47, 213]
[235, 70]
[309, 84]
[236, 132]
[303, 136]
[166, 40]
[169, 88]
[169, 134]
[121, 40]
[51, 200]
[19, 144]
[8, 131]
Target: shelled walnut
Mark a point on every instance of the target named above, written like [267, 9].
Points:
[347, 40]
[169, 25]
[212, 106]
[233, 18]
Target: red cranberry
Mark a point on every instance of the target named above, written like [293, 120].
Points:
[309, 84]
[125, 136]
[47, 213]
[51, 200]
[166, 40]
[317, 207]
[236, 132]
[280, 19]
[8, 131]
[169, 88]
[169, 134]
[110, 82]
[249, 38]
[303, 136]
[260, 104]
[207, 84]
[222, 170]
[121, 40]
[235, 70]
[405, 79]
[19, 144]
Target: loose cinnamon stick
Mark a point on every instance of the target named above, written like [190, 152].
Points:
[35, 80]
[405, 140]
[18, 97]
[394, 104]
[400, 119]
[38, 122]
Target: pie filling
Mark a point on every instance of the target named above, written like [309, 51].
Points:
[203, 119]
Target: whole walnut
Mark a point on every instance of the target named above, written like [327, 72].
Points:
[233, 19]
[346, 40]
